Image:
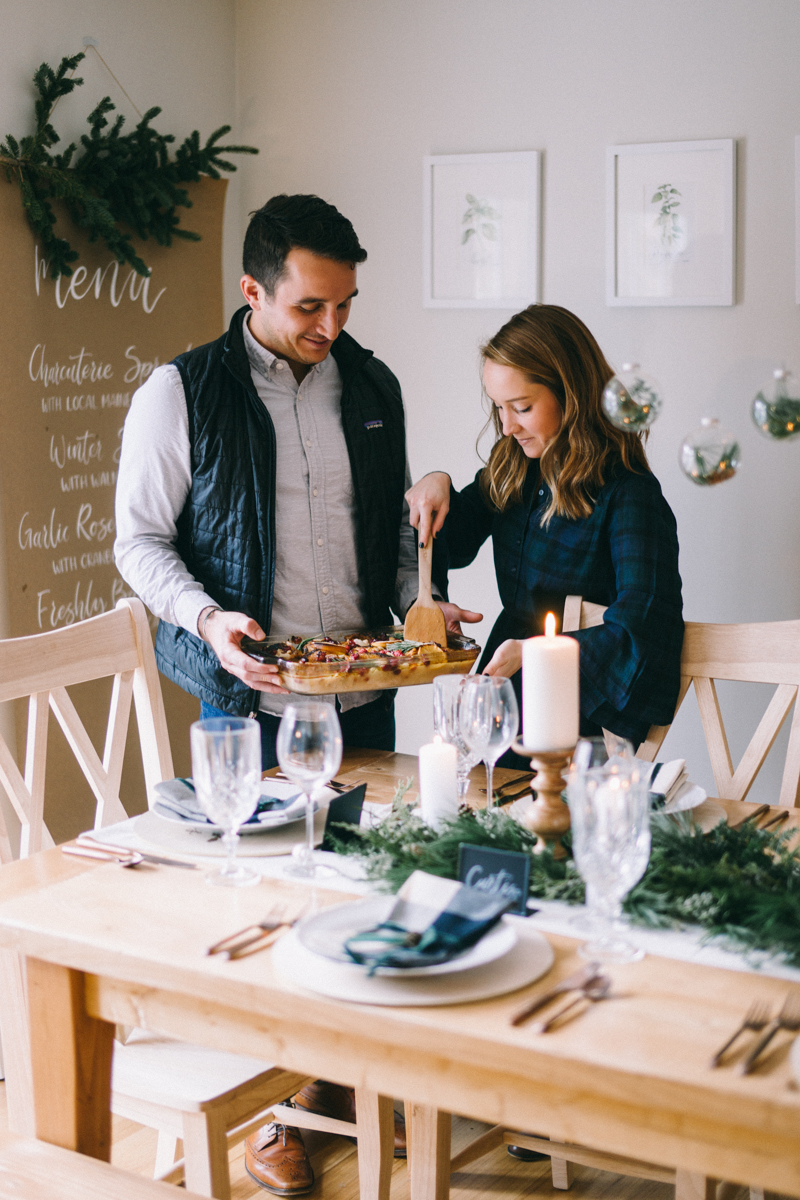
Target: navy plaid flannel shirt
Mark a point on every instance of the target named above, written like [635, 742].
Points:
[623, 556]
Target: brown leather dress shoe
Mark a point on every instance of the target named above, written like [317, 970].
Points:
[333, 1100]
[276, 1158]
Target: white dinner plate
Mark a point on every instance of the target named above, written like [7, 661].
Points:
[325, 933]
[264, 825]
[528, 960]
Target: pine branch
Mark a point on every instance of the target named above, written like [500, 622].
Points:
[122, 184]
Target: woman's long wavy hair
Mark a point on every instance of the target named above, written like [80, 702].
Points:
[551, 346]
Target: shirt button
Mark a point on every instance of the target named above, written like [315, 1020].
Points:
[324, 591]
[308, 441]
[319, 541]
[314, 492]
[280, 366]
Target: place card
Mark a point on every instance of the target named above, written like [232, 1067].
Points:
[497, 872]
[344, 810]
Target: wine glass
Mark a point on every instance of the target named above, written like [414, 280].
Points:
[610, 810]
[597, 751]
[447, 693]
[489, 720]
[309, 748]
[226, 772]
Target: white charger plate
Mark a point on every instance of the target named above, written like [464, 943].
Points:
[324, 934]
[530, 958]
[281, 791]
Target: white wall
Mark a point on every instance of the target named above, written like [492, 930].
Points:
[344, 97]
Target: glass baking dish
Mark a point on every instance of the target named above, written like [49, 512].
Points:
[367, 674]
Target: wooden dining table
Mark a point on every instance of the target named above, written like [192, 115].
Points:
[107, 945]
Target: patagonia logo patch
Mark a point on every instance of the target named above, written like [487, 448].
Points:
[373, 424]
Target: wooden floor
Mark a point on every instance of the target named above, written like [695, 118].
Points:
[336, 1170]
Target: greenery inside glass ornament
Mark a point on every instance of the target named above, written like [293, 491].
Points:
[777, 414]
[709, 454]
[631, 399]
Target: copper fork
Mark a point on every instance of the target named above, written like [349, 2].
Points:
[788, 1018]
[756, 1018]
[234, 941]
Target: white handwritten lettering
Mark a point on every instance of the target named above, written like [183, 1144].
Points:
[104, 479]
[84, 450]
[48, 537]
[499, 884]
[139, 370]
[82, 367]
[77, 609]
[116, 400]
[74, 483]
[93, 531]
[51, 404]
[68, 563]
[97, 558]
[76, 287]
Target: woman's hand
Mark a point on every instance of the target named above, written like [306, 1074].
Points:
[429, 502]
[506, 660]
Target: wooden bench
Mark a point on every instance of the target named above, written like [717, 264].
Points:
[30, 1170]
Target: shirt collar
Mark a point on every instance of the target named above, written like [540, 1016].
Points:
[266, 363]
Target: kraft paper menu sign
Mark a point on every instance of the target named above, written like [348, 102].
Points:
[74, 352]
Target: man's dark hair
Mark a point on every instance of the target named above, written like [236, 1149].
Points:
[286, 222]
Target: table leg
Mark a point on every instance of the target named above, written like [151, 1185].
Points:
[691, 1186]
[429, 1152]
[375, 1126]
[71, 1062]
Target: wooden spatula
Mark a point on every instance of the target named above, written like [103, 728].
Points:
[425, 620]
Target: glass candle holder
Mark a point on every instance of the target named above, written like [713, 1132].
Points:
[776, 413]
[631, 399]
[710, 454]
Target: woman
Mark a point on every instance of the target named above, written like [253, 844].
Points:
[572, 508]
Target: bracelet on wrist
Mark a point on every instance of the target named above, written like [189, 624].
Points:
[204, 622]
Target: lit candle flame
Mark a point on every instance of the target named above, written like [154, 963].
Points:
[550, 625]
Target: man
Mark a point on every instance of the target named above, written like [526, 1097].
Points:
[260, 491]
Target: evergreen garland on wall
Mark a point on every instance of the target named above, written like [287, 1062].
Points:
[118, 186]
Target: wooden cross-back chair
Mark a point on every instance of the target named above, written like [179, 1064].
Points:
[763, 652]
[42, 667]
[205, 1098]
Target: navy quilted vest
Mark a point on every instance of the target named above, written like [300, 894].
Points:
[226, 532]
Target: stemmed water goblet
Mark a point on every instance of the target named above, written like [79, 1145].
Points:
[610, 812]
[309, 748]
[226, 772]
[447, 693]
[489, 720]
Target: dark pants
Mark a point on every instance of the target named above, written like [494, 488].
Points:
[370, 727]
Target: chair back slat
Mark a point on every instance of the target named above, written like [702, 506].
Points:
[91, 649]
[762, 652]
[42, 667]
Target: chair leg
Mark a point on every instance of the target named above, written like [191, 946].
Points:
[205, 1154]
[16, 1044]
[166, 1153]
[689, 1185]
[375, 1133]
[561, 1172]
[429, 1158]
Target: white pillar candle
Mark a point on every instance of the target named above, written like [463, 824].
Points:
[550, 690]
[438, 782]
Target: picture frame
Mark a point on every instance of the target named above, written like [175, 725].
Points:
[671, 223]
[482, 230]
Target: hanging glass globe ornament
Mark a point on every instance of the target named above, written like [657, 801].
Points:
[776, 413]
[709, 454]
[631, 399]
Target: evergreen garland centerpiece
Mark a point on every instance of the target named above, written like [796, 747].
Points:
[741, 885]
[122, 184]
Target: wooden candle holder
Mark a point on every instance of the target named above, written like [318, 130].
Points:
[548, 817]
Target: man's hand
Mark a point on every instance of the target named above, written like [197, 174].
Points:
[224, 631]
[506, 660]
[429, 504]
[453, 616]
